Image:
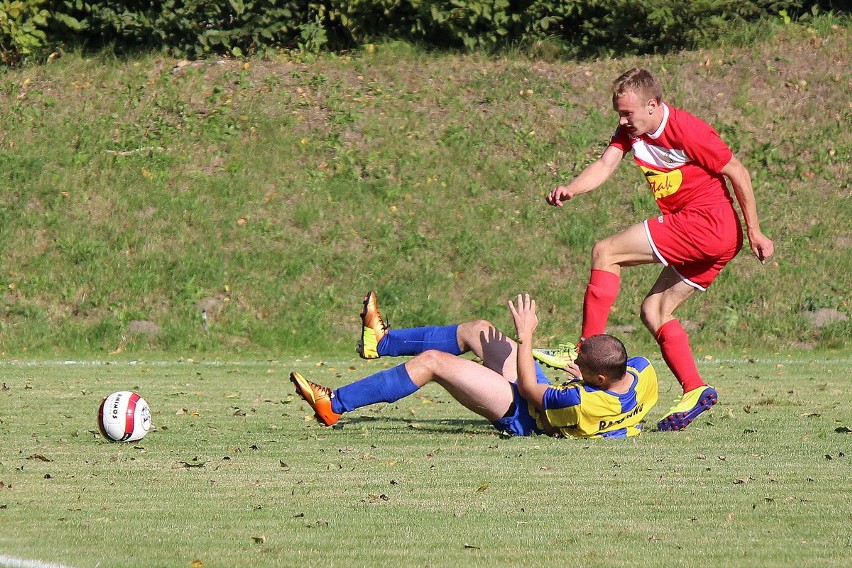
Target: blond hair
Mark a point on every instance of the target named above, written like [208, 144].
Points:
[639, 81]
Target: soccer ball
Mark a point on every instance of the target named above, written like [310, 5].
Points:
[124, 416]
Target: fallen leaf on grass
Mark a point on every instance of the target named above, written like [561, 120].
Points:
[472, 547]
[196, 564]
[317, 524]
[371, 498]
[187, 465]
[40, 457]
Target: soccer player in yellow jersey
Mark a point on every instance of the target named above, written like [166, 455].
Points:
[608, 396]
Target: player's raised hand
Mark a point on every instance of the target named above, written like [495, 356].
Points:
[525, 317]
[558, 195]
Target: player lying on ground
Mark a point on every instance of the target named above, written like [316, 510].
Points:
[509, 388]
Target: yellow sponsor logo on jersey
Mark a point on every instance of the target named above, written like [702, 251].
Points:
[663, 183]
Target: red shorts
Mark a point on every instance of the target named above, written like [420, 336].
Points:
[696, 243]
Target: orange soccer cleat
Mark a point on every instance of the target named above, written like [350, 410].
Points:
[318, 396]
[373, 327]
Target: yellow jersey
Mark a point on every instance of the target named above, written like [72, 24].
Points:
[582, 411]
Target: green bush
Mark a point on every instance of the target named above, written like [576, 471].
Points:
[243, 27]
[22, 28]
[589, 27]
[194, 29]
[648, 26]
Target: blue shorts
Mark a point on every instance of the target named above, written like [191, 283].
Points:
[518, 421]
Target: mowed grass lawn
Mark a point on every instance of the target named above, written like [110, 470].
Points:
[236, 473]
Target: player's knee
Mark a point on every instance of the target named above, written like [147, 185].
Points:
[480, 326]
[474, 327]
[470, 333]
[601, 253]
[431, 361]
[434, 358]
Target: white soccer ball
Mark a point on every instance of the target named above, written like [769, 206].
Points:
[124, 416]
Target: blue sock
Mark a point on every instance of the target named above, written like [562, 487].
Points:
[389, 385]
[416, 340]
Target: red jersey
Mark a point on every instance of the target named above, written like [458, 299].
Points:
[681, 161]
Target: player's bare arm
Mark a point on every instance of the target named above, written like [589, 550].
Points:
[590, 178]
[761, 245]
[526, 322]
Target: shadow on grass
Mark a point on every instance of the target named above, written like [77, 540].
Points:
[442, 425]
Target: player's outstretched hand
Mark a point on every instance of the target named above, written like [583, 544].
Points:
[525, 317]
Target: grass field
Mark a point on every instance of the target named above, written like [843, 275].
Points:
[268, 195]
[236, 473]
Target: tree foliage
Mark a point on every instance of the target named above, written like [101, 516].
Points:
[22, 28]
[198, 28]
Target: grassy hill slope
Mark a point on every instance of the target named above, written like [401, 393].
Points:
[270, 194]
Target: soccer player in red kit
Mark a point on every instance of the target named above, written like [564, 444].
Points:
[686, 165]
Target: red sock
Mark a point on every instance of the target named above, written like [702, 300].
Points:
[674, 344]
[600, 296]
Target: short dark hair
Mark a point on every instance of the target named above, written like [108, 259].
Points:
[639, 81]
[605, 355]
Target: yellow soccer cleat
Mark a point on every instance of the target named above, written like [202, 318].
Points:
[318, 396]
[690, 406]
[373, 328]
[559, 358]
